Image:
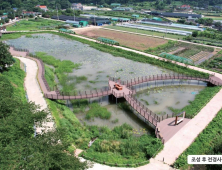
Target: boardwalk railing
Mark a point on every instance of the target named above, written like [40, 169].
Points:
[142, 110]
[145, 79]
[78, 95]
[138, 106]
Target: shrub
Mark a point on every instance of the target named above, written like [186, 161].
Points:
[194, 33]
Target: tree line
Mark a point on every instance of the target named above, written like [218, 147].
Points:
[63, 4]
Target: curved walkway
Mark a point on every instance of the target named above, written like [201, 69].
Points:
[182, 139]
[34, 92]
[187, 134]
[147, 115]
[36, 96]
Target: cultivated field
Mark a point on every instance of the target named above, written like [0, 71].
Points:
[196, 53]
[153, 33]
[130, 40]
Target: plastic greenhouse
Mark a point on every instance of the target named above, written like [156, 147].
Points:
[108, 41]
[176, 58]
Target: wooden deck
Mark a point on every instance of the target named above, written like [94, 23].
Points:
[167, 128]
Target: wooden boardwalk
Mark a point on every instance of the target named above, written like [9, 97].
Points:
[127, 92]
[167, 128]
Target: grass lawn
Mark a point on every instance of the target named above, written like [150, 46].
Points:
[32, 24]
[214, 17]
[146, 32]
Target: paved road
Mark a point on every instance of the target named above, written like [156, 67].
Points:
[181, 140]
[34, 92]
[35, 95]
[153, 165]
[184, 138]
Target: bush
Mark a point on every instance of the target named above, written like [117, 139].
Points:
[194, 33]
[6, 20]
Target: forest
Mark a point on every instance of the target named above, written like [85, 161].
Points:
[63, 4]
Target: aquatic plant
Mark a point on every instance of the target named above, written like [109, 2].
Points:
[97, 111]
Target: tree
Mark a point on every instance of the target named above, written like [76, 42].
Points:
[182, 21]
[31, 16]
[5, 56]
[11, 15]
[6, 20]
[217, 24]
[36, 9]
[19, 148]
[209, 21]
[194, 33]
[2, 21]
[201, 21]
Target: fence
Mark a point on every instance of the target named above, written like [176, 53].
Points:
[147, 114]
[142, 110]
[145, 79]
[78, 95]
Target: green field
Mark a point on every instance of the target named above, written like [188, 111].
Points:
[213, 17]
[173, 36]
[32, 24]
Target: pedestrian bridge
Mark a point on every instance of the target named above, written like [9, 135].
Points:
[127, 91]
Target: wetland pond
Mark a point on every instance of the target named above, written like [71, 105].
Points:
[97, 66]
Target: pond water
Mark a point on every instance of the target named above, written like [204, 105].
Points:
[119, 115]
[160, 98]
[97, 66]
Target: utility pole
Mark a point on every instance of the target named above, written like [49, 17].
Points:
[57, 12]
[95, 14]
[74, 18]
